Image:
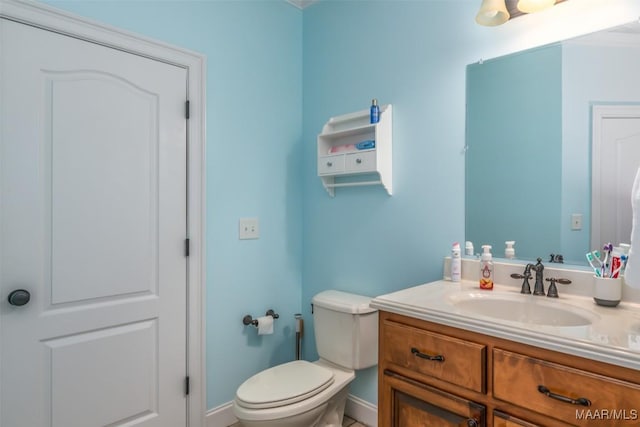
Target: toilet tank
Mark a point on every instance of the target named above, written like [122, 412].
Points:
[346, 329]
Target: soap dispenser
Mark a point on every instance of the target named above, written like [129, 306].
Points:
[468, 248]
[509, 250]
[456, 263]
[486, 268]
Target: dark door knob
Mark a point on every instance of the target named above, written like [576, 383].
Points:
[19, 297]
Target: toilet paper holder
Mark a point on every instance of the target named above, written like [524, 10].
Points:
[248, 320]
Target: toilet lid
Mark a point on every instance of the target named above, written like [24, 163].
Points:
[284, 384]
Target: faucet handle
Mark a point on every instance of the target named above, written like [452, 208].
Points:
[553, 290]
[526, 288]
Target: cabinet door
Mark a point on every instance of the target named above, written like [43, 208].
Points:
[408, 403]
[500, 419]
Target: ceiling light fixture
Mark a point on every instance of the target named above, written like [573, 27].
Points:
[492, 13]
[497, 12]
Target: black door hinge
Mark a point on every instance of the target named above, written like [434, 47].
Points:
[186, 247]
[186, 109]
[186, 386]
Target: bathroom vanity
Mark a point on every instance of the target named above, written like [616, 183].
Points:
[451, 354]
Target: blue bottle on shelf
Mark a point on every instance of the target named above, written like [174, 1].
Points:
[375, 111]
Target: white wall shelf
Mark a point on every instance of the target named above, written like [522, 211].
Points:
[354, 167]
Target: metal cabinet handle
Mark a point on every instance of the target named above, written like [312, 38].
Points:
[583, 401]
[358, 161]
[329, 164]
[436, 358]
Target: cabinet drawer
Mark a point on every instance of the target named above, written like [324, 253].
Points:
[454, 360]
[329, 165]
[562, 392]
[364, 161]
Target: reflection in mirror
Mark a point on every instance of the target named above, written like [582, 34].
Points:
[531, 146]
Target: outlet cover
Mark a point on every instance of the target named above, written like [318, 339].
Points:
[248, 228]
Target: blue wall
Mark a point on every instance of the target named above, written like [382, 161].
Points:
[262, 56]
[363, 240]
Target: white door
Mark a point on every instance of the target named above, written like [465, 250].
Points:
[616, 159]
[92, 225]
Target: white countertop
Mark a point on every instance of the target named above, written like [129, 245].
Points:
[613, 336]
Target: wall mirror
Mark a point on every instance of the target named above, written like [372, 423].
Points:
[552, 146]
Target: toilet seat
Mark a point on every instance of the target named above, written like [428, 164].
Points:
[284, 384]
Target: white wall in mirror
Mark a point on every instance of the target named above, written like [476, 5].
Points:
[599, 71]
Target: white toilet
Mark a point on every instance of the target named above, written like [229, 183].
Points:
[305, 394]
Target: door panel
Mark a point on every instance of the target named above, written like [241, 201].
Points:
[119, 189]
[92, 223]
[134, 372]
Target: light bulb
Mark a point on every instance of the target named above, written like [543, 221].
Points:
[532, 6]
[492, 13]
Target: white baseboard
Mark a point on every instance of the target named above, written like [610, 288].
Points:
[361, 410]
[356, 408]
[221, 416]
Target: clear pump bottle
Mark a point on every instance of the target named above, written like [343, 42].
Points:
[486, 268]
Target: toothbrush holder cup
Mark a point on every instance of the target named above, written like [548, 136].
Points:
[607, 291]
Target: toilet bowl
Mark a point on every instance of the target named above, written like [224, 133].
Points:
[294, 394]
[313, 394]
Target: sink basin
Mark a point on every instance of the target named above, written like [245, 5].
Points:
[523, 309]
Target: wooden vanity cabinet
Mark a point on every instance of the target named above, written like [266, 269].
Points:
[435, 375]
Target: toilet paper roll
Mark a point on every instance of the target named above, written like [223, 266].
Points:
[265, 325]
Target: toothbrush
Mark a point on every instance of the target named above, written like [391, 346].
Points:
[596, 270]
[596, 257]
[605, 265]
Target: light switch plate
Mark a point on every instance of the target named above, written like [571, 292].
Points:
[248, 228]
